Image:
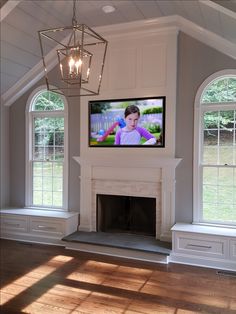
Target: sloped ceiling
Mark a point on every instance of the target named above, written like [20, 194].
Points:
[21, 20]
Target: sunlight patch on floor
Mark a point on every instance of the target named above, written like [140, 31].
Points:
[33, 277]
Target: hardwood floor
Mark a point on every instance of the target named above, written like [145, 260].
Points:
[48, 279]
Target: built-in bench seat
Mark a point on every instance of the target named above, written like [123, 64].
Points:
[34, 225]
[202, 245]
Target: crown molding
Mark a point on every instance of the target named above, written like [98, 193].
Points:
[168, 25]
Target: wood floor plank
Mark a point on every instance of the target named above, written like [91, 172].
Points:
[111, 300]
[46, 279]
[209, 287]
[195, 298]
[150, 307]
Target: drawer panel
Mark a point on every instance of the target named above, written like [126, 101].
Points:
[46, 227]
[202, 247]
[232, 249]
[14, 224]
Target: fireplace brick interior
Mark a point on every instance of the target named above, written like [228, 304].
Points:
[130, 214]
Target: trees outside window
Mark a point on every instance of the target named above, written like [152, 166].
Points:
[215, 151]
[46, 164]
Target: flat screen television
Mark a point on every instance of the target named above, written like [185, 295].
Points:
[132, 122]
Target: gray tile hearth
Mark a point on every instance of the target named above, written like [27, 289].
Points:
[121, 240]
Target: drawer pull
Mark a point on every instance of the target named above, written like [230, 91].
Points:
[46, 227]
[12, 224]
[199, 246]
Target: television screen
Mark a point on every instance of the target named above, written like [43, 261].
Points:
[137, 122]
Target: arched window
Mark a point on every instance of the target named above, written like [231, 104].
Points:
[215, 150]
[46, 153]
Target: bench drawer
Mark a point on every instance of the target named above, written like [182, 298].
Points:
[232, 249]
[212, 247]
[14, 224]
[46, 227]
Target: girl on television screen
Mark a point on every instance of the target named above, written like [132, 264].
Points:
[131, 133]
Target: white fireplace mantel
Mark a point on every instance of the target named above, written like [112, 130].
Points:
[152, 177]
[153, 162]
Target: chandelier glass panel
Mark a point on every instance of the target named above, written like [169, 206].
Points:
[73, 58]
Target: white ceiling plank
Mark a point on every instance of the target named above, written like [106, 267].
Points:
[106, 18]
[148, 8]
[8, 7]
[6, 81]
[193, 12]
[228, 25]
[40, 12]
[13, 69]
[58, 13]
[98, 17]
[180, 8]
[99, 4]
[22, 40]
[8, 51]
[167, 7]
[130, 12]
[24, 18]
[212, 19]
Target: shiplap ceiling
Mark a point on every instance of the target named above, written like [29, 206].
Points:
[21, 20]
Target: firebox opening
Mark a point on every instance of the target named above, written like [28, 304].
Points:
[130, 214]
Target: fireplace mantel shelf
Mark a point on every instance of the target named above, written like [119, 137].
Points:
[148, 162]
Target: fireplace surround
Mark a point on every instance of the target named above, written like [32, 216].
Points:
[139, 179]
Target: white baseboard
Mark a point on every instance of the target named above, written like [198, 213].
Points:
[202, 262]
[32, 239]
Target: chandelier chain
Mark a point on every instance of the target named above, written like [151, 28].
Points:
[74, 21]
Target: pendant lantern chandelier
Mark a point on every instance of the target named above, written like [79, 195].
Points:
[73, 58]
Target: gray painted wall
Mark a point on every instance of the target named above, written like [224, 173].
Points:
[74, 141]
[196, 62]
[4, 156]
[17, 152]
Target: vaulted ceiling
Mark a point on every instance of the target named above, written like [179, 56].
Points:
[21, 20]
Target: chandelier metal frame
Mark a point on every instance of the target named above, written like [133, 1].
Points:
[77, 55]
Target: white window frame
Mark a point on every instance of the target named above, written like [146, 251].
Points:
[29, 116]
[199, 110]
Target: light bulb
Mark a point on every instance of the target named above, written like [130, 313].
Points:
[88, 72]
[77, 65]
[61, 69]
[71, 65]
